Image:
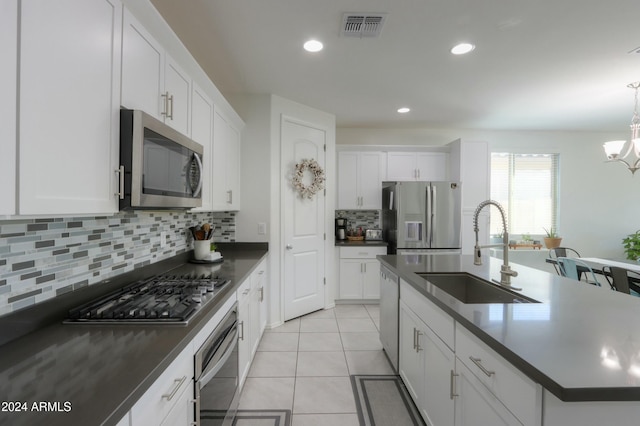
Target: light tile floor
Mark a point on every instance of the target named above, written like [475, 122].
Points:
[304, 365]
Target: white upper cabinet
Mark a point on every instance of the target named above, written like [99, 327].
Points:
[360, 180]
[417, 166]
[226, 164]
[202, 132]
[151, 80]
[69, 106]
[8, 82]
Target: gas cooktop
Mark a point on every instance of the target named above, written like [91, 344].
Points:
[163, 299]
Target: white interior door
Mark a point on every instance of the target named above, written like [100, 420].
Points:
[303, 223]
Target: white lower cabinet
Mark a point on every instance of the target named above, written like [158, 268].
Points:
[360, 272]
[167, 393]
[426, 367]
[182, 411]
[475, 405]
[453, 377]
[250, 305]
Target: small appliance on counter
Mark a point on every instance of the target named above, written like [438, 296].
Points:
[341, 228]
[373, 235]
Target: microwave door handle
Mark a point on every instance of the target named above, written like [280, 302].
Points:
[213, 369]
[200, 174]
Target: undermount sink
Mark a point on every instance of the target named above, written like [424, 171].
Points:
[469, 289]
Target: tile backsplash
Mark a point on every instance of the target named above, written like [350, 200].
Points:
[363, 218]
[43, 258]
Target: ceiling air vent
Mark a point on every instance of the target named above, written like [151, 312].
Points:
[362, 24]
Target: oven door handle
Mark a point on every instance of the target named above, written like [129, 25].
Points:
[214, 367]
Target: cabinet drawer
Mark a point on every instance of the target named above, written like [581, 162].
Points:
[440, 322]
[361, 252]
[517, 392]
[244, 290]
[165, 392]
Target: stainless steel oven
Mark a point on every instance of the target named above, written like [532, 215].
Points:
[216, 374]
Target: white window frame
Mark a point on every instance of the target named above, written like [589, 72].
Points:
[509, 205]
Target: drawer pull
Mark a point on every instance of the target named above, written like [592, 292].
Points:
[418, 334]
[478, 362]
[178, 383]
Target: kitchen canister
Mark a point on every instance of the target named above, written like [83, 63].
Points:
[201, 249]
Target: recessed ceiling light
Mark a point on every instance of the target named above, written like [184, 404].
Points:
[404, 110]
[462, 48]
[313, 46]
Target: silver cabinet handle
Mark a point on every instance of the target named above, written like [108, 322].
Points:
[418, 334]
[261, 294]
[478, 363]
[289, 247]
[241, 337]
[452, 385]
[165, 95]
[171, 104]
[120, 172]
[414, 338]
[244, 293]
[178, 382]
[230, 197]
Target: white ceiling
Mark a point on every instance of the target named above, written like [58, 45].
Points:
[538, 64]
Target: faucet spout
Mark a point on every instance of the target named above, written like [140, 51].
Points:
[505, 271]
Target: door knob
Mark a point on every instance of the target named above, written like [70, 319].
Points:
[289, 247]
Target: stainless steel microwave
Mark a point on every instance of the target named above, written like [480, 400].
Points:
[160, 168]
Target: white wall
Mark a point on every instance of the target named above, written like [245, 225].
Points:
[599, 202]
[261, 184]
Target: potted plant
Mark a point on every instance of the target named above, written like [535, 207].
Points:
[632, 246]
[552, 240]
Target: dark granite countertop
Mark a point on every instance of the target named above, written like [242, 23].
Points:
[102, 370]
[366, 243]
[558, 343]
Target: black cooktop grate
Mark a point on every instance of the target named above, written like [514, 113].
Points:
[160, 299]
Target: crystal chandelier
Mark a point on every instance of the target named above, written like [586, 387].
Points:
[614, 148]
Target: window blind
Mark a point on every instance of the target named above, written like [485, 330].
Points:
[527, 187]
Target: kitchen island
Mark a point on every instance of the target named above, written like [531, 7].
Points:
[580, 344]
[94, 374]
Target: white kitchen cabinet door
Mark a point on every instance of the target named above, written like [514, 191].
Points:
[202, 132]
[177, 86]
[371, 280]
[417, 166]
[8, 86]
[432, 166]
[411, 361]
[370, 180]
[151, 80]
[475, 405]
[351, 271]
[244, 342]
[142, 69]
[360, 180]
[182, 412]
[401, 166]
[437, 404]
[69, 106]
[348, 181]
[226, 164]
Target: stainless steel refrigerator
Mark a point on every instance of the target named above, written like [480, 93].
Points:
[422, 217]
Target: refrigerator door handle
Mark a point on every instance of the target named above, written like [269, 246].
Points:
[434, 209]
[427, 219]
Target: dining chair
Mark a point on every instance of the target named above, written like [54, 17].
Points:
[573, 268]
[618, 278]
[557, 252]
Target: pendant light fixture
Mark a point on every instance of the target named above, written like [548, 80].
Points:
[613, 149]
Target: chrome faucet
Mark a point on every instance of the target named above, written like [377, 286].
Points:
[505, 270]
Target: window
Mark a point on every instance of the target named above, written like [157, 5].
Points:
[527, 187]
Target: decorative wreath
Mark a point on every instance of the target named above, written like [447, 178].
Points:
[316, 185]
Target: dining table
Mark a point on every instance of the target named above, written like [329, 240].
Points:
[597, 264]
